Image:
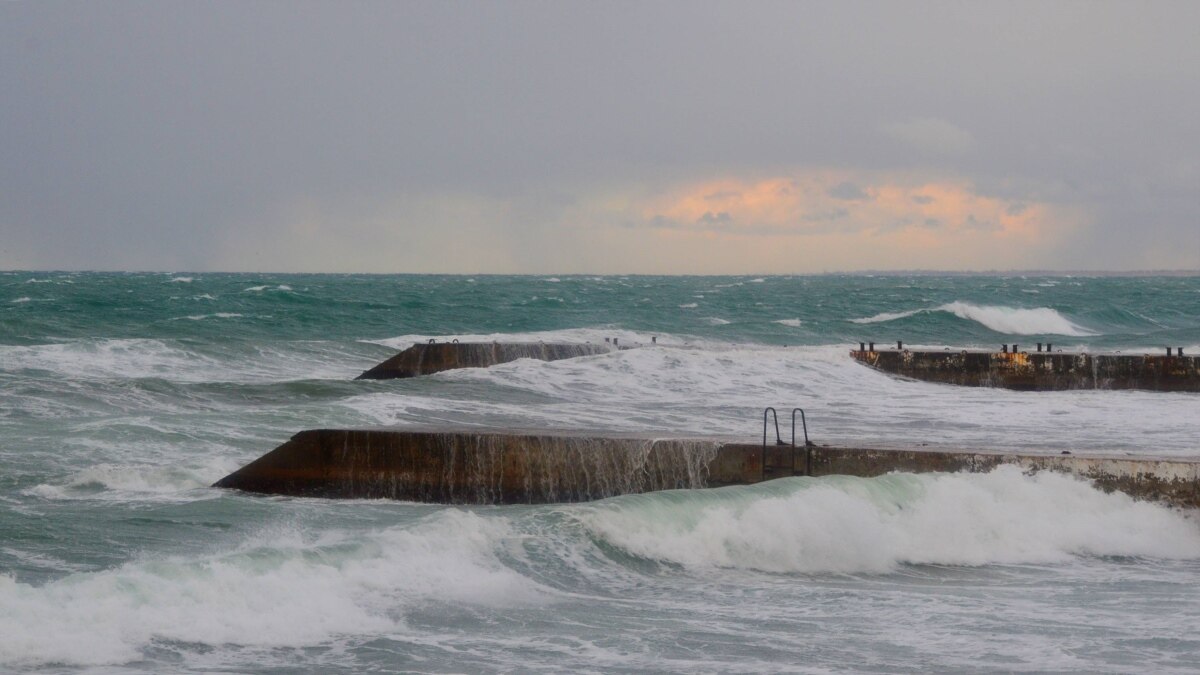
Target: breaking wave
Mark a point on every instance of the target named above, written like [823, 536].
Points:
[875, 525]
[248, 596]
[1008, 320]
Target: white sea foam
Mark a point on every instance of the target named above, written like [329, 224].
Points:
[249, 596]
[794, 323]
[259, 289]
[720, 388]
[756, 281]
[201, 317]
[593, 335]
[169, 360]
[121, 481]
[41, 561]
[1009, 320]
[716, 321]
[181, 280]
[19, 301]
[103, 358]
[853, 525]
[689, 305]
[888, 316]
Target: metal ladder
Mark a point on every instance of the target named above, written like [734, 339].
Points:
[790, 467]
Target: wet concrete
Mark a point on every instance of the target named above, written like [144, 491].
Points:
[434, 357]
[506, 467]
[1039, 371]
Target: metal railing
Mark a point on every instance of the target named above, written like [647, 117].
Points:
[808, 445]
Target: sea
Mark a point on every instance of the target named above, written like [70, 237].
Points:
[124, 396]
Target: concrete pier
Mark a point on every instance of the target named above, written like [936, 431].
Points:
[506, 467]
[434, 357]
[1039, 371]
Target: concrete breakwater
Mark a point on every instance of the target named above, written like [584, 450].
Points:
[506, 467]
[434, 357]
[1039, 371]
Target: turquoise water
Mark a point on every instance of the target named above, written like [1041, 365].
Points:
[123, 396]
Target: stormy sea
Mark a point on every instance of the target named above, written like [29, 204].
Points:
[123, 397]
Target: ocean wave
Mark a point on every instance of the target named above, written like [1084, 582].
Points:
[22, 300]
[1016, 321]
[201, 317]
[352, 585]
[689, 305]
[1008, 320]
[794, 323]
[121, 481]
[259, 289]
[105, 358]
[875, 525]
[181, 280]
[888, 316]
[171, 360]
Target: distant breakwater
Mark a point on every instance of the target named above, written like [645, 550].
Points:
[1038, 370]
[434, 357]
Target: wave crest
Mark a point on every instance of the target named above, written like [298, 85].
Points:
[874, 525]
[1017, 321]
[1008, 320]
[248, 595]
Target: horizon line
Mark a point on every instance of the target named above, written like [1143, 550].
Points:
[862, 272]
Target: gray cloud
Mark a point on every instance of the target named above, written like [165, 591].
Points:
[930, 135]
[160, 135]
[710, 218]
[822, 216]
[848, 191]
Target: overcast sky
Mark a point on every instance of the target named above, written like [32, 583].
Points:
[621, 137]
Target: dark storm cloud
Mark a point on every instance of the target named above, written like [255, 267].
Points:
[150, 135]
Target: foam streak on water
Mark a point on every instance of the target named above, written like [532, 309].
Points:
[123, 396]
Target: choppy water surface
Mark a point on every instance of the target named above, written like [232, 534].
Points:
[123, 396]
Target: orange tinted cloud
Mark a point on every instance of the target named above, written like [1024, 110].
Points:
[857, 221]
[823, 202]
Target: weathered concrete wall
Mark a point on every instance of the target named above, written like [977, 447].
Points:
[427, 358]
[486, 468]
[1040, 371]
[469, 467]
